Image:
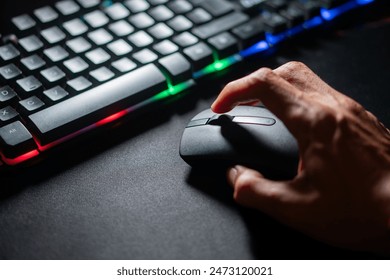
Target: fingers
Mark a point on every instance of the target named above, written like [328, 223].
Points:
[278, 199]
[278, 95]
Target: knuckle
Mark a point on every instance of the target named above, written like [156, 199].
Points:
[264, 75]
[352, 106]
[296, 65]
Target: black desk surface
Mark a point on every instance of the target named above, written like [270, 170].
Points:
[127, 194]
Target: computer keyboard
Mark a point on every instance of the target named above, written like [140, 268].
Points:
[78, 65]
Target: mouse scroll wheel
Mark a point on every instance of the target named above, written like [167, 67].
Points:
[220, 119]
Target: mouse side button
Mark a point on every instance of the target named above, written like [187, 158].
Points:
[254, 120]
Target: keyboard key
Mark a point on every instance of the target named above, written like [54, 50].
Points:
[102, 74]
[121, 28]
[140, 39]
[104, 100]
[294, 15]
[46, 14]
[185, 39]
[7, 115]
[250, 33]
[32, 62]
[31, 43]
[200, 55]
[53, 35]
[119, 47]
[180, 23]
[220, 25]
[275, 5]
[53, 75]
[55, 94]
[76, 65]
[98, 56]
[100, 37]
[157, 2]
[55, 54]
[30, 105]
[165, 47]
[161, 13]
[28, 85]
[141, 20]
[78, 84]
[217, 7]
[224, 44]
[78, 45]
[96, 19]
[123, 65]
[160, 31]
[89, 4]
[180, 6]
[177, 66]
[75, 27]
[23, 22]
[199, 16]
[117, 11]
[9, 52]
[9, 72]
[16, 140]
[274, 23]
[67, 7]
[145, 56]
[137, 6]
[7, 95]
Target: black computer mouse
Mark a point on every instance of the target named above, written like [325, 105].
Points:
[247, 135]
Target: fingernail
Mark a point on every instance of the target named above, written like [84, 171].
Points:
[232, 175]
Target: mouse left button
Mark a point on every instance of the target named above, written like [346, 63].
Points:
[198, 122]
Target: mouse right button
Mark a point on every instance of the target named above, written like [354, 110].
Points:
[254, 120]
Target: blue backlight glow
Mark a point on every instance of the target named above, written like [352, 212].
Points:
[330, 14]
[256, 48]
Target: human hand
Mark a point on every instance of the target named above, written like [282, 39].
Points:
[341, 194]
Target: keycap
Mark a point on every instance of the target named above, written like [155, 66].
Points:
[250, 33]
[329, 4]
[199, 16]
[96, 19]
[100, 37]
[23, 22]
[220, 25]
[46, 14]
[145, 56]
[121, 28]
[185, 39]
[165, 47]
[31, 43]
[67, 7]
[31, 104]
[200, 55]
[123, 65]
[177, 67]
[102, 74]
[53, 35]
[217, 7]
[157, 2]
[9, 72]
[75, 65]
[274, 23]
[137, 6]
[180, 6]
[89, 4]
[160, 31]
[72, 114]
[140, 39]
[224, 44]
[32, 62]
[16, 140]
[8, 52]
[141, 20]
[75, 27]
[294, 15]
[55, 94]
[180, 23]
[78, 45]
[28, 85]
[7, 115]
[97, 56]
[7, 95]
[78, 84]
[56, 53]
[117, 11]
[52, 75]
[119, 47]
[161, 13]
[310, 8]
[275, 5]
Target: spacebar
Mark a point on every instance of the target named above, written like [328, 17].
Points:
[93, 105]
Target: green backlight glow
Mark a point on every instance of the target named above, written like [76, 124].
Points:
[218, 65]
[173, 89]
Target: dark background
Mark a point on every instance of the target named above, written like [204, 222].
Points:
[127, 194]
